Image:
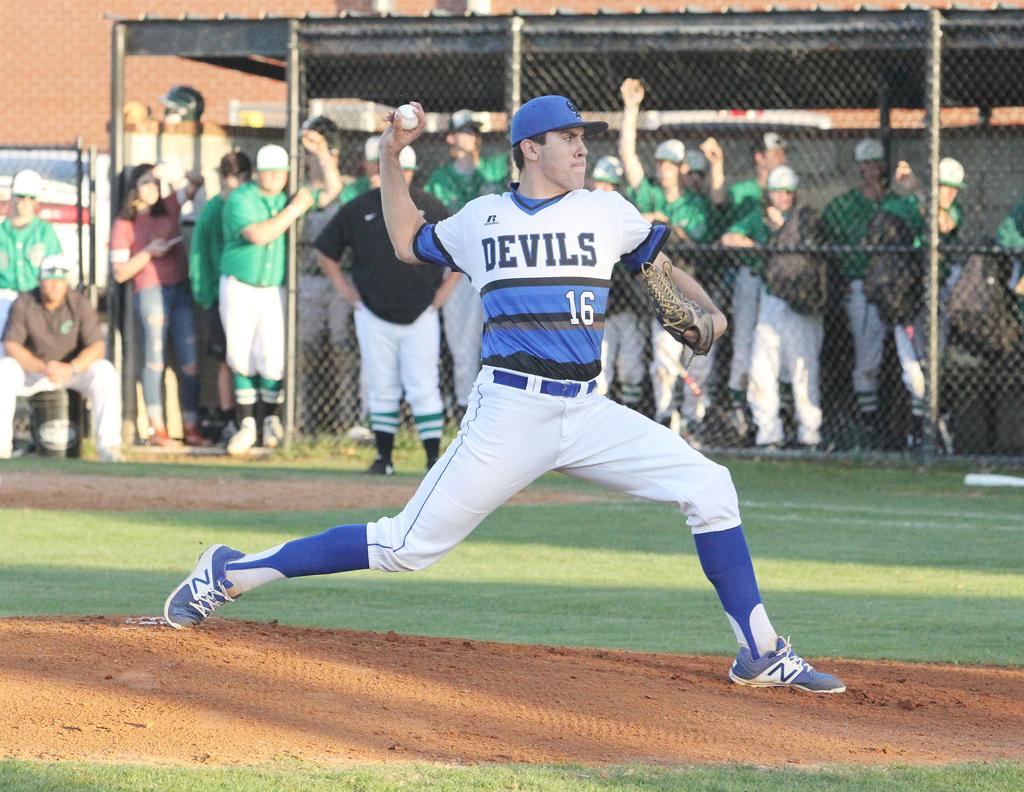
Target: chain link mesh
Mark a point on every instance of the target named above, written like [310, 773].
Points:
[844, 369]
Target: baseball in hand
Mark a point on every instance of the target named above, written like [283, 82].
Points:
[406, 117]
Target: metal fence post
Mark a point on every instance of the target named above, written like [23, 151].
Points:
[292, 79]
[514, 77]
[122, 317]
[933, 99]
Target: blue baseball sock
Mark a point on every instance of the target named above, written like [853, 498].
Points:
[339, 549]
[726, 562]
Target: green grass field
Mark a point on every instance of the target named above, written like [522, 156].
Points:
[853, 561]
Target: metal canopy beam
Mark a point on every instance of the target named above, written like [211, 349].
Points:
[208, 38]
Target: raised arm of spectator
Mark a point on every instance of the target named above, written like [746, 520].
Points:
[401, 216]
[123, 264]
[716, 187]
[266, 231]
[317, 145]
[735, 239]
[632, 95]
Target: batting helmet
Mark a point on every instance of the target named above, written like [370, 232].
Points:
[182, 103]
[327, 128]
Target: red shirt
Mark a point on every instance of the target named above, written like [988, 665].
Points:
[129, 237]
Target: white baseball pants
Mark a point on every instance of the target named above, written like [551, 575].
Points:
[787, 345]
[622, 355]
[99, 383]
[463, 315]
[587, 436]
[746, 295]
[401, 359]
[253, 319]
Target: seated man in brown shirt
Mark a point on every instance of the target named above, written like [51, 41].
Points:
[53, 341]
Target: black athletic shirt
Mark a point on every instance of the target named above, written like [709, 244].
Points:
[396, 292]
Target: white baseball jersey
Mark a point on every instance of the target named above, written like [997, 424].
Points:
[543, 272]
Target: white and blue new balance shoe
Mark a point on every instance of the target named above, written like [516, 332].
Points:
[782, 668]
[203, 591]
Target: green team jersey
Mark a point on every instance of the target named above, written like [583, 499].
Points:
[354, 190]
[744, 197]
[257, 265]
[22, 250]
[752, 226]
[1011, 231]
[204, 254]
[455, 189]
[647, 197]
[691, 212]
[846, 219]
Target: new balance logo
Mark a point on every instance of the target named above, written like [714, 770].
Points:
[781, 668]
[205, 580]
[491, 220]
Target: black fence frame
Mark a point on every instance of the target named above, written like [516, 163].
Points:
[954, 46]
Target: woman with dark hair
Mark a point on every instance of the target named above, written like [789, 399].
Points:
[145, 247]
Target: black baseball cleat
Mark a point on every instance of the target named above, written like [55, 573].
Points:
[381, 467]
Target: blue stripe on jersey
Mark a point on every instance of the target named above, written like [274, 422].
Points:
[559, 320]
[648, 249]
[427, 247]
[581, 345]
[542, 298]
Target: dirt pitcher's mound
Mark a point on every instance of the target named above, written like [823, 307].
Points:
[235, 692]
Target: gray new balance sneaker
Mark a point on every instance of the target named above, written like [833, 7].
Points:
[203, 591]
[782, 668]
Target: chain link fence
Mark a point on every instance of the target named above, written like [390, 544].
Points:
[872, 306]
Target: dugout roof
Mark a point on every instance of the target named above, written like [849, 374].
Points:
[689, 60]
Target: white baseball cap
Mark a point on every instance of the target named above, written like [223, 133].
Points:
[271, 157]
[951, 173]
[696, 160]
[54, 267]
[672, 150]
[407, 158]
[27, 183]
[371, 149]
[783, 179]
[607, 169]
[772, 140]
[868, 150]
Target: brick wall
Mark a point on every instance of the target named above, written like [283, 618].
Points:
[56, 59]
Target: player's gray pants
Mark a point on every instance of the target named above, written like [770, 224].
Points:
[590, 437]
[746, 295]
[787, 347]
[463, 315]
[868, 332]
[99, 383]
[622, 355]
[667, 369]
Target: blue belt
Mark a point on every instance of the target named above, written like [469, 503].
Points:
[550, 387]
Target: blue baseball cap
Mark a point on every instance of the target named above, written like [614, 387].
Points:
[549, 114]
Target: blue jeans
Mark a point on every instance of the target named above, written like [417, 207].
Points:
[163, 308]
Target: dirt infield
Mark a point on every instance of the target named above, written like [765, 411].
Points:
[64, 491]
[242, 693]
